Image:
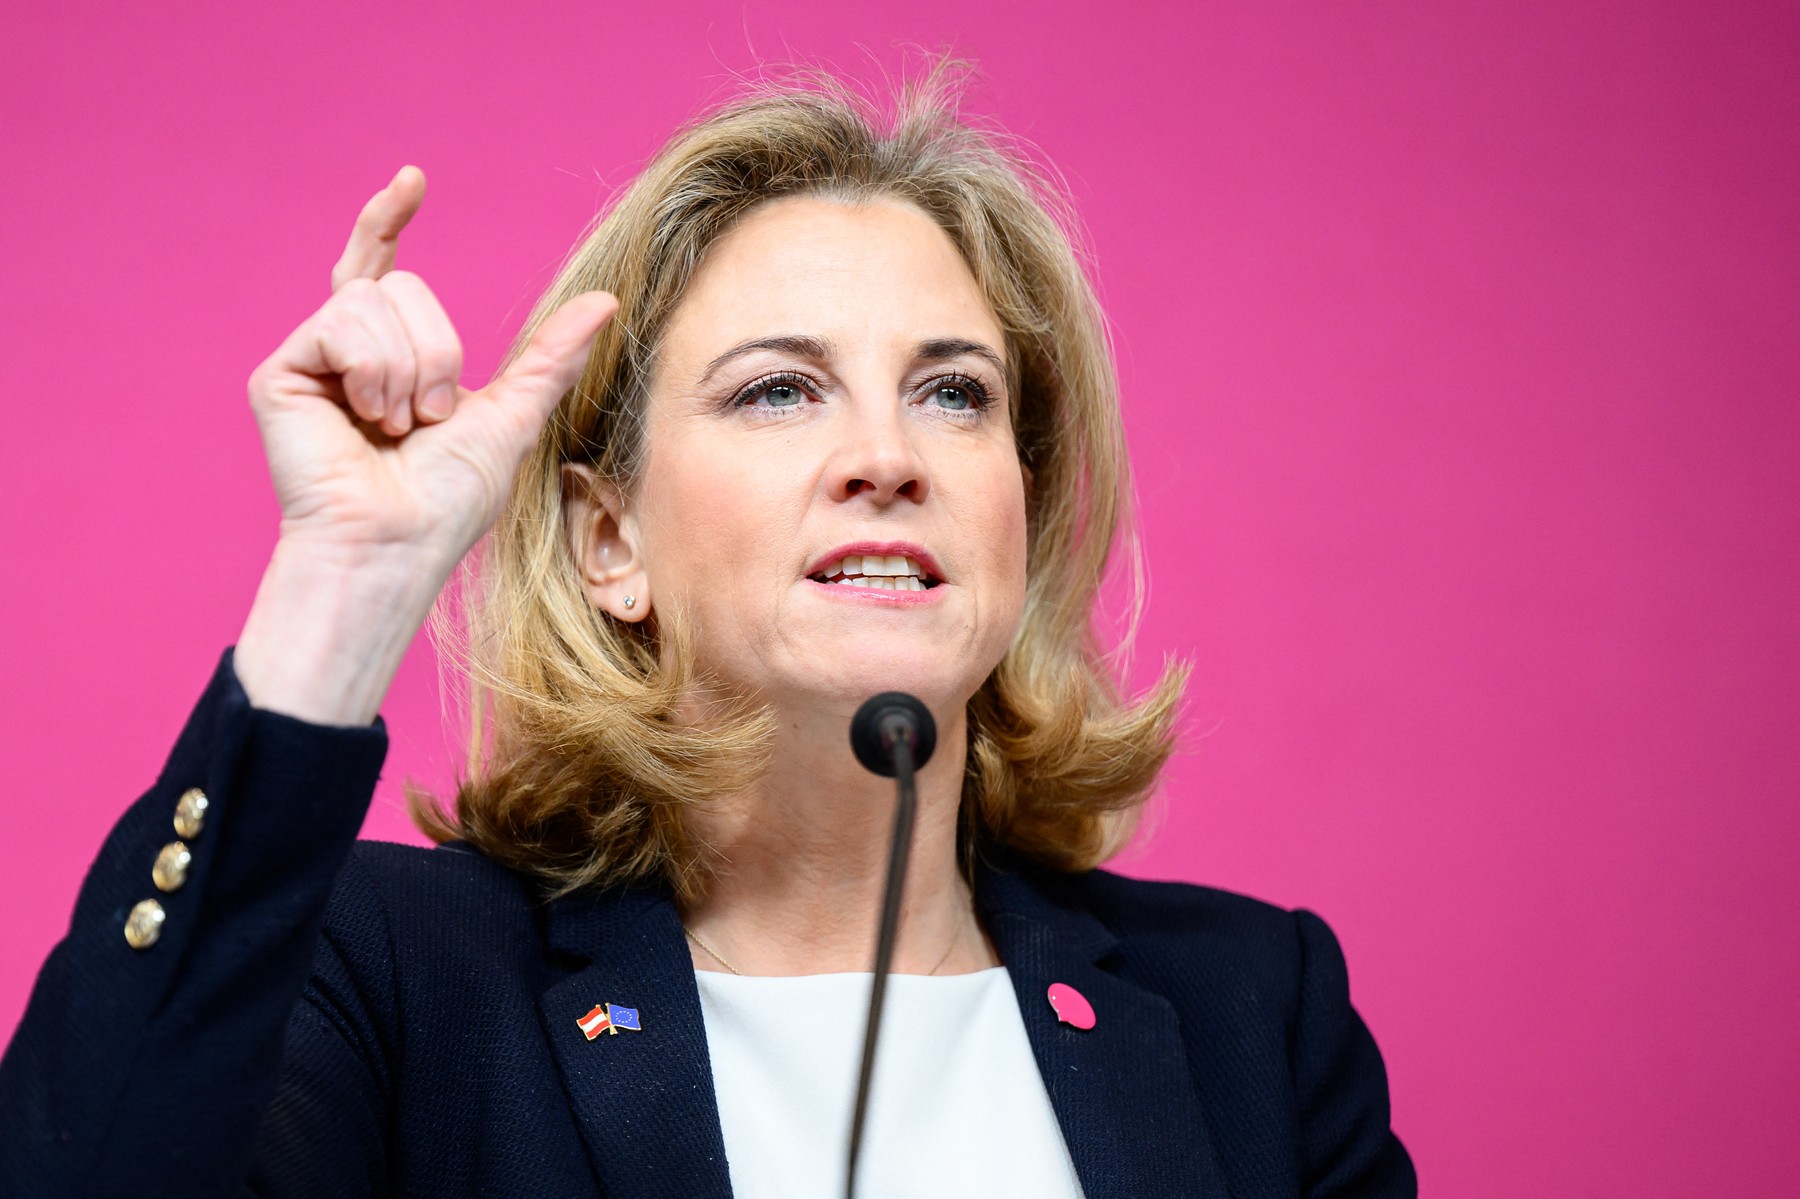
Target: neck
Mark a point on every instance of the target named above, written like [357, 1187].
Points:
[800, 860]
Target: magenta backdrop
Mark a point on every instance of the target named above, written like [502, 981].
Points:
[1460, 346]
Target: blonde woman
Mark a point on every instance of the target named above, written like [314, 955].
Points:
[821, 408]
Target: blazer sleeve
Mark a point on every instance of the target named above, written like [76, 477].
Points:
[148, 1071]
[1348, 1150]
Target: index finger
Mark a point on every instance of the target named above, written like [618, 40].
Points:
[369, 254]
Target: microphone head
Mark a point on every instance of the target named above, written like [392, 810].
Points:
[884, 718]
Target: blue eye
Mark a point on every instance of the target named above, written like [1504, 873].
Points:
[960, 393]
[784, 390]
[959, 398]
[787, 389]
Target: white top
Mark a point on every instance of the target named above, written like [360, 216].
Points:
[957, 1106]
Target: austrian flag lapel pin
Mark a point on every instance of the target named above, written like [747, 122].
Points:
[608, 1018]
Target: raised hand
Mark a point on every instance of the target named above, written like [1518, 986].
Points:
[370, 439]
[387, 470]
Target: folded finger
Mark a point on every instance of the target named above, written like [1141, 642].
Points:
[364, 301]
[340, 345]
[436, 349]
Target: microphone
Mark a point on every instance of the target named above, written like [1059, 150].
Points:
[892, 735]
[882, 724]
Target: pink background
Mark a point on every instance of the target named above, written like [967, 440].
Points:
[1460, 346]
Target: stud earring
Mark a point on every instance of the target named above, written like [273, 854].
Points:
[630, 602]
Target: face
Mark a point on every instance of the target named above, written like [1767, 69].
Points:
[831, 486]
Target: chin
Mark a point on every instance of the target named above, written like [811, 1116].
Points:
[936, 682]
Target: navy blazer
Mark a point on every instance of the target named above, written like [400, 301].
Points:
[326, 1017]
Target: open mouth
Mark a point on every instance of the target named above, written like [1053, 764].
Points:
[890, 572]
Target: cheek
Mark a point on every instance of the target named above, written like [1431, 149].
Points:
[713, 522]
[1007, 538]
[693, 543]
[1016, 563]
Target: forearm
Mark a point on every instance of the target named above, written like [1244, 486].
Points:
[139, 1068]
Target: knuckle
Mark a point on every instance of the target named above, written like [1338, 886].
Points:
[343, 349]
[351, 354]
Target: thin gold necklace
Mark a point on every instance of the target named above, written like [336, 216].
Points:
[716, 956]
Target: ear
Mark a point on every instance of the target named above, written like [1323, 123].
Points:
[603, 542]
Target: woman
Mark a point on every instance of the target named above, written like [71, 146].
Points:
[812, 414]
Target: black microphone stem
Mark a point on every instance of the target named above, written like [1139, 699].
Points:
[906, 804]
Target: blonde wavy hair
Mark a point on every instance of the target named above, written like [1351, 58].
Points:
[579, 772]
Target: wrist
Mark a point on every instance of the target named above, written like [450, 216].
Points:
[329, 627]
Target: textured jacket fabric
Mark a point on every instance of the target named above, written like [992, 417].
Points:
[333, 1018]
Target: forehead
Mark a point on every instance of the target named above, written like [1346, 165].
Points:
[876, 272]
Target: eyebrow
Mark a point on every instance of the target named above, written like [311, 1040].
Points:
[819, 348]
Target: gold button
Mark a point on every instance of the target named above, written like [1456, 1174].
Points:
[171, 867]
[144, 925]
[190, 812]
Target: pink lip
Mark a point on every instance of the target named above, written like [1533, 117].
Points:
[877, 595]
[892, 549]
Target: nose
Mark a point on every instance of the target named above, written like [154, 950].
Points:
[878, 459]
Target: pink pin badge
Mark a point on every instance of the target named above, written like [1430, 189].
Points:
[1071, 1006]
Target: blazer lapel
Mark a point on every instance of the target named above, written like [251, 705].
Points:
[644, 1100]
[1123, 1091]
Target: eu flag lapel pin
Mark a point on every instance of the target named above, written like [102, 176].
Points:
[607, 1018]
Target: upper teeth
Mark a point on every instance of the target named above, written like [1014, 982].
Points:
[878, 570]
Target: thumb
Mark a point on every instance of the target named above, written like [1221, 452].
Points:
[553, 360]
